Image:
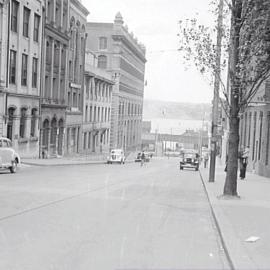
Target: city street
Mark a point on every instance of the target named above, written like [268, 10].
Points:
[107, 217]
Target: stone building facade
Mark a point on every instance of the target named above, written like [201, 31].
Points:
[255, 131]
[120, 53]
[21, 69]
[3, 63]
[54, 77]
[75, 87]
[97, 107]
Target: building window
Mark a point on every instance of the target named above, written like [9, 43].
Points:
[249, 128]
[14, 16]
[24, 70]
[12, 67]
[245, 130]
[267, 140]
[102, 61]
[34, 72]
[69, 98]
[260, 135]
[84, 140]
[34, 119]
[74, 100]
[48, 52]
[63, 58]
[36, 27]
[26, 16]
[254, 134]
[86, 114]
[56, 55]
[103, 43]
[90, 114]
[23, 123]
[11, 114]
[70, 69]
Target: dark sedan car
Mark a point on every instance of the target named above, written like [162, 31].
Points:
[189, 160]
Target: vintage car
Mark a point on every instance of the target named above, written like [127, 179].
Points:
[9, 159]
[116, 156]
[189, 159]
[139, 157]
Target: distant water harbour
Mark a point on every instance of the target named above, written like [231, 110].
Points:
[174, 126]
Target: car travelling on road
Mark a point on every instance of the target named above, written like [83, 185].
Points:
[189, 159]
[139, 157]
[116, 156]
[9, 159]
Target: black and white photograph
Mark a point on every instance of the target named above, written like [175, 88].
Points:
[134, 135]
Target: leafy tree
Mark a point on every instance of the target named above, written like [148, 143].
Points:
[246, 47]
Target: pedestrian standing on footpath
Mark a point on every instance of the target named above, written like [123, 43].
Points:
[226, 163]
[243, 160]
[205, 160]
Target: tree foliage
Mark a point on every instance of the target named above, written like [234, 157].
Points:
[197, 43]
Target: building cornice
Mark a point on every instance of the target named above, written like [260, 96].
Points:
[130, 45]
[58, 35]
[81, 7]
[22, 95]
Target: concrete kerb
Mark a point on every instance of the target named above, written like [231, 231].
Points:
[74, 163]
[63, 164]
[233, 248]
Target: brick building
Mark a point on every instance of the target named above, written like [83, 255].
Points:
[75, 87]
[120, 53]
[3, 62]
[97, 107]
[255, 131]
[54, 77]
[20, 73]
[63, 69]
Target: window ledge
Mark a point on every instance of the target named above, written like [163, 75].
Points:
[33, 139]
[22, 140]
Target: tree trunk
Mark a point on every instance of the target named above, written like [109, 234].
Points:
[230, 187]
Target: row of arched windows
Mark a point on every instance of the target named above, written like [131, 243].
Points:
[22, 114]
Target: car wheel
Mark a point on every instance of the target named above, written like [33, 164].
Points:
[196, 169]
[13, 168]
[181, 168]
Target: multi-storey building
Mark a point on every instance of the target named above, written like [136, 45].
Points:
[3, 62]
[54, 77]
[119, 52]
[75, 87]
[21, 105]
[97, 107]
[255, 131]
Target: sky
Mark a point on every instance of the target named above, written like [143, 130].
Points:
[155, 24]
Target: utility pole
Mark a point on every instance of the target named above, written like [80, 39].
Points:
[216, 95]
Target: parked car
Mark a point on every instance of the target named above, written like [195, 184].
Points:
[9, 159]
[139, 157]
[116, 156]
[189, 159]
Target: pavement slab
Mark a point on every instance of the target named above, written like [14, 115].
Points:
[241, 218]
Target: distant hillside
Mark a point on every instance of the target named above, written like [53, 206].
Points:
[174, 110]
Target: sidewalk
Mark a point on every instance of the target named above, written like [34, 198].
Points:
[238, 219]
[74, 160]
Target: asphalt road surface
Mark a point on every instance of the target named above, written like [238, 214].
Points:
[103, 217]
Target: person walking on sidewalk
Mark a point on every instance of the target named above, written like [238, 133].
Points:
[142, 158]
[243, 159]
[205, 160]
